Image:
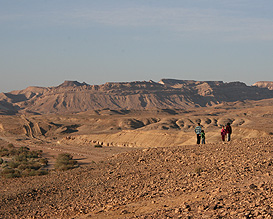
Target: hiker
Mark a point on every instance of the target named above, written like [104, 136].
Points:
[223, 133]
[203, 137]
[198, 132]
[228, 131]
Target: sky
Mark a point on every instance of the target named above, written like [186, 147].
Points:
[45, 42]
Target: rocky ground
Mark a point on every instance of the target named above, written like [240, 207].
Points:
[231, 180]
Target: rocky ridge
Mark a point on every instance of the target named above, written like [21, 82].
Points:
[73, 96]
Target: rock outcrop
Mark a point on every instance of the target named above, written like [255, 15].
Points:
[264, 84]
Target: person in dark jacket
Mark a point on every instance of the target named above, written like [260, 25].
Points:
[228, 131]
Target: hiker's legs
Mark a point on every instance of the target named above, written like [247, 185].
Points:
[228, 136]
[198, 139]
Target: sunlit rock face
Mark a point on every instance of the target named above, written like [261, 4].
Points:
[73, 96]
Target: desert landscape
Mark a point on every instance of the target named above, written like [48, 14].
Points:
[136, 150]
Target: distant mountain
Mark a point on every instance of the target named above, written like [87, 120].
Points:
[72, 84]
[73, 96]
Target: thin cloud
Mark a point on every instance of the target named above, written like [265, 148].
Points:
[184, 22]
[188, 22]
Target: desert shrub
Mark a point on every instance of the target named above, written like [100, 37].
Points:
[11, 146]
[25, 172]
[24, 162]
[23, 166]
[44, 161]
[1, 160]
[21, 157]
[7, 171]
[198, 170]
[98, 146]
[32, 173]
[33, 154]
[4, 152]
[35, 165]
[65, 161]
[41, 172]
[13, 164]
[13, 152]
[10, 173]
[23, 149]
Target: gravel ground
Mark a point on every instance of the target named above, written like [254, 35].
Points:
[231, 180]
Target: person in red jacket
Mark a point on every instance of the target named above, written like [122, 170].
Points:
[228, 131]
[223, 133]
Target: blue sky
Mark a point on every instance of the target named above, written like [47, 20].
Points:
[44, 42]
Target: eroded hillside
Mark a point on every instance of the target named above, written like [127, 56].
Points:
[72, 96]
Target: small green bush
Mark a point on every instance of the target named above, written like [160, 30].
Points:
[21, 157]
[7, 171]
[32, 173]
[26, 172]
[23, 149]
[198, 170]
[13, 164]
[33, 154]
[13, 152]
[24, 162]
[23, 166]
[10, 173]
[11, 146]
[35, 165]
[44, 161]
[4, 152]
[65, 161]
[41, 172]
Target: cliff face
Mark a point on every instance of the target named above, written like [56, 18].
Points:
[264, 84]
[72, 96]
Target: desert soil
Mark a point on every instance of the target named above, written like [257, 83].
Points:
[231, 180]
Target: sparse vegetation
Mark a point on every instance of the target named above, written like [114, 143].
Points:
[98, 146]
[21, 162]
[198, 170]
[65, 161]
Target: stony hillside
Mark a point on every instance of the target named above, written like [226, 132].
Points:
[72, 96]
[232, 180]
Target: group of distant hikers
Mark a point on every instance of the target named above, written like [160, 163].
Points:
[200, 133]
